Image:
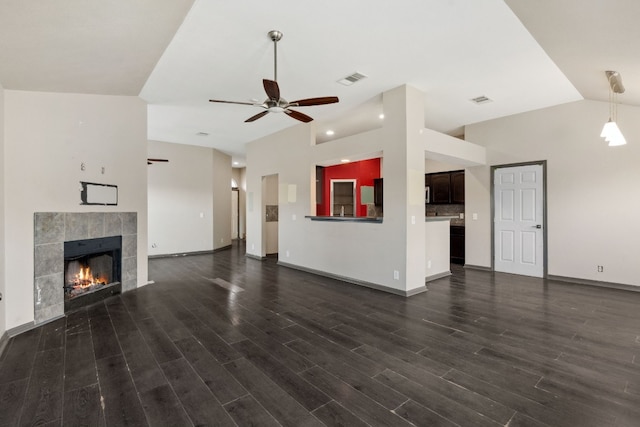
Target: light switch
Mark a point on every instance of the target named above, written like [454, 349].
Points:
[413, 219]
[474, 216]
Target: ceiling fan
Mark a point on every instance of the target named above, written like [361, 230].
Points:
[274, 103]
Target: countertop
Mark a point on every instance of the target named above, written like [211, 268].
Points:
[345, 218]
[440, 217]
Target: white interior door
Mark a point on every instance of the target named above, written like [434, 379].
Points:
[518, 220]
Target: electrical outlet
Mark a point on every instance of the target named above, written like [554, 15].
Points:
[429, 264]
[253, 246]
[600, 269]
[287, 252]
[474, 216]
[396, 275]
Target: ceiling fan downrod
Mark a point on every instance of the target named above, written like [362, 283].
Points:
[275, 36]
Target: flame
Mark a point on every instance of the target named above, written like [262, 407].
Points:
[84, 279]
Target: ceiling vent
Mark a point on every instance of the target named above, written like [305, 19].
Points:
[481, 100]
[351, 79]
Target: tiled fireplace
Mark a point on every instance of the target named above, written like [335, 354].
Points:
[53, 231]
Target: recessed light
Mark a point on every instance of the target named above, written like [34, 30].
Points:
[330, 132]
[236, 163]
[381, 116]
[345, 160]
[202, 134]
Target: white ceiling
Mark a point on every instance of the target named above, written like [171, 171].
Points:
[452, 50]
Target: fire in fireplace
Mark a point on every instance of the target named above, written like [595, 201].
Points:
[92, 270]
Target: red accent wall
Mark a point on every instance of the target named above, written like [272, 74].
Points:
[364, 172]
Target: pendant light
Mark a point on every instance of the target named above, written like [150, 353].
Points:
[611, 132]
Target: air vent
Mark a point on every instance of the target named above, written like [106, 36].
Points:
[481, 100]
[353, 78]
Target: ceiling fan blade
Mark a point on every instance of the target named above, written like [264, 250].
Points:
[314, 101]
[232, 102]
[256, 117]
[298, 116]
[157, 160]
[272, 89]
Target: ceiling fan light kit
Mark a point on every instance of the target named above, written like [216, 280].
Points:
[275, 103]
[611, 132]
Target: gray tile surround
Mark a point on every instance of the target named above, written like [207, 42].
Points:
[52, 229]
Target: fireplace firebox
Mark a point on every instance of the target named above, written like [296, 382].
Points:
[92, 270]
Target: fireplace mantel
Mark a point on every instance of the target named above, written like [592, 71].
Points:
[52, 229]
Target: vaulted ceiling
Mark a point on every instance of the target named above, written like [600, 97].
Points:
[177, 54]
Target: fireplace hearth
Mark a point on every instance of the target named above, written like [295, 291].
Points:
[92, 269]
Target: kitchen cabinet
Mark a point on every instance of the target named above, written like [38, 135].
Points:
[445, 187]
[456, 244]
[440, 188]
[457, 187]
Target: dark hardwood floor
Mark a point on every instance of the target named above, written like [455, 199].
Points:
[226, 340]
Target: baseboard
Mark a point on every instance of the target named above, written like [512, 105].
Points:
[4, 340]
[224, 248]
[356, 281]
[477, 267]
[259, 258]
[187, 253]
[437, 276]
[608, 285]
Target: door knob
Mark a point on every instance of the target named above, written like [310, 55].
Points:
[537, 226]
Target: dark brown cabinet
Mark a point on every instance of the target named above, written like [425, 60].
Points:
[457, 244]
[440, 188]
[457, 187]
[445, 187]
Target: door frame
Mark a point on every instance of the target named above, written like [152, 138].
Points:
[355, 194]
[542, 163]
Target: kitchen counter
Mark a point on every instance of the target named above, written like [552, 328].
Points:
[345, 218]
[440, 217]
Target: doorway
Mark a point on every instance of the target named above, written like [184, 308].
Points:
[270, 214]
[235, 213]
[519, 219]
[343, 197]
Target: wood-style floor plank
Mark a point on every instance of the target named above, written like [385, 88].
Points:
[200, 404]
[82, 407]
[277, 346]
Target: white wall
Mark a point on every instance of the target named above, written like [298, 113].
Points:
[47, 138]
[593, 196]
[437, 253]
[3, 312]
[221, 199]
[368, 252]
[180, 199]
